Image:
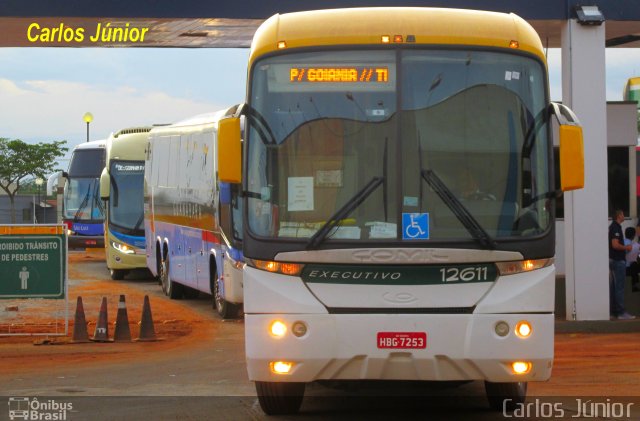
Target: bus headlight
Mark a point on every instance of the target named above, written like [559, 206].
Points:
[523, 329]
[122, 248]
[281, 367]
[278, 329]
[521, 367]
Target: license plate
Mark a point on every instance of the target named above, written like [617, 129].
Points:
[402, 340]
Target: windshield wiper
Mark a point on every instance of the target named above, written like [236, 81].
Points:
[96, 199]
[84, 203]
[459, 210]
[344, 211]
[137, 226]
[263, 128]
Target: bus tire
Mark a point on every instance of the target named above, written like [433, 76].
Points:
[225, 309]
[158, 265]
[505, 395]
[118, 274]
[170, 288]
[280, 398]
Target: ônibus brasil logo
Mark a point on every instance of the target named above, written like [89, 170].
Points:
[33, 409]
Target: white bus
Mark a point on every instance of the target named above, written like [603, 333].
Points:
[192, 223]
[398, 184]
[83, 211]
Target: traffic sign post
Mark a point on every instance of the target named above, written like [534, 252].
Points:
[33, 263]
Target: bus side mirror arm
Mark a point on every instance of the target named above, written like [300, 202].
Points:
[571, 148]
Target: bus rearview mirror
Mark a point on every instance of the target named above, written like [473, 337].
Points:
[571, 148]
[229, 151]
[571, 158]
[105, 185]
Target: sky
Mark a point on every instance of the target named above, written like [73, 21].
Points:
[44, 92]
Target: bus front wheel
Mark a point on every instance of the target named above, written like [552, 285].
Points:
[118, 274]
[280, 398]
[507, 396]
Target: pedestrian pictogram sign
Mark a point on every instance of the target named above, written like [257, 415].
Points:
[32, 266]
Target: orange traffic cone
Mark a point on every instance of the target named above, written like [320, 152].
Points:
[80, 334]
[122, 331]
[102, 327]
[147, 332]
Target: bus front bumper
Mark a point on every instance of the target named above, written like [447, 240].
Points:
[351, 347]
[117, 260]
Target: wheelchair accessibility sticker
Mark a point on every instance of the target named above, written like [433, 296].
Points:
[415, 226]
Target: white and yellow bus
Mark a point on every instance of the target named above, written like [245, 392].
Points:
[399, 221]
[193, 223]
[121, 186]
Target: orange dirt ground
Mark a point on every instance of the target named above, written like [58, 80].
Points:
[175, 324]
[593, 364]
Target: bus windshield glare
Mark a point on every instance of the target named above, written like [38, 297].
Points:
[354, 142]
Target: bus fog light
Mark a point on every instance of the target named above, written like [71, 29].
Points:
[523, 329]
[502, 328]
[281, 367]
[521, 367]
[299, 329]
[278, 329]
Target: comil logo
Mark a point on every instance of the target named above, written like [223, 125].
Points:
[33, 409]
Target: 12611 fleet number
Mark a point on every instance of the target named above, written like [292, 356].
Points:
[472, 274]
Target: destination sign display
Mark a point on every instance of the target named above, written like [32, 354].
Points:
[129, 168]
[356, 74]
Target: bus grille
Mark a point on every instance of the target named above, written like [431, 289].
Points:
[433, 310]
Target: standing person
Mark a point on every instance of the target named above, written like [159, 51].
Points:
[633, 268]
[617, 267]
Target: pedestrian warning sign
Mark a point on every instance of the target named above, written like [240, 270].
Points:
[33, 266]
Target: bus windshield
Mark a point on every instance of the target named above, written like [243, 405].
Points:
[82, 200]
[126, 203]
[354, 142]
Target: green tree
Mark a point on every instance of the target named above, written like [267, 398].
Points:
[19, 159]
